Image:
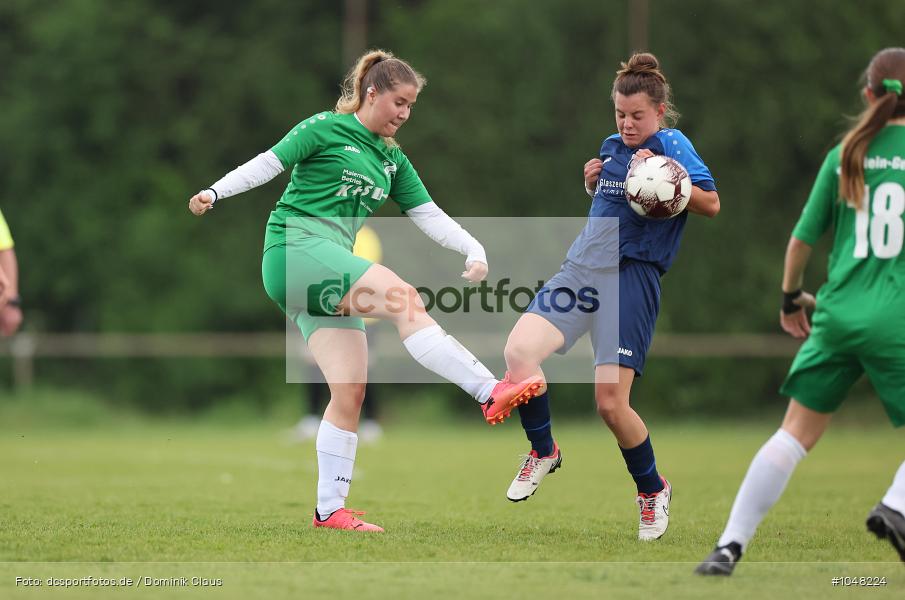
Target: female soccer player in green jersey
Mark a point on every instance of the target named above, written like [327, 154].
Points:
[858, 324]
[345, 165]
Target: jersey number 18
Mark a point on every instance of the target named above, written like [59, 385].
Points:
[884, 231]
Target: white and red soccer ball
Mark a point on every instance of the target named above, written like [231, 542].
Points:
[657, 187]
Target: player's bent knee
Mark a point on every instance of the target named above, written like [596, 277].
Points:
[519, 354]
[610, 406]
[349, 394]
[609, 413]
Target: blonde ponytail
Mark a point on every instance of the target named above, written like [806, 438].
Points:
[353, 92]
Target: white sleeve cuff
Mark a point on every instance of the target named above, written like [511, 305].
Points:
[441, 228]
[257, 171]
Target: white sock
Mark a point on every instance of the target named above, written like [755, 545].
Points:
[445, 356]
[335, 460]
[895, 496]
[763, 485]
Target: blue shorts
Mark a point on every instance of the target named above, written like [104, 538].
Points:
[622, 322]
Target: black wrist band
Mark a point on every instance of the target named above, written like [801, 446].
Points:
[15, 301]
[788, 302]
[216, 195]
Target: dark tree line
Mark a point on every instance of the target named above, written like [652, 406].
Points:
[112, 114]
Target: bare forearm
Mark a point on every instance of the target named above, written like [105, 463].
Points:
[11, 269]
[704, 203]
[797, 255]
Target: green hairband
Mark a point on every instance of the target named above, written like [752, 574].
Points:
[893, 85]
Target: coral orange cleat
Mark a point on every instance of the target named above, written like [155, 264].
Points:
[345, 519]
[506, 395]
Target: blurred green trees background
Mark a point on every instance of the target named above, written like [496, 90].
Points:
[113, 113]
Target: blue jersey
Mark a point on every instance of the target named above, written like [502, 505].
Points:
[640, 238]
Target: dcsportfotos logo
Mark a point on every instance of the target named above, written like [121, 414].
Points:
[323, 298]
[496, 298]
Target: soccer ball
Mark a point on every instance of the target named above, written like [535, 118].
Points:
[657, 187]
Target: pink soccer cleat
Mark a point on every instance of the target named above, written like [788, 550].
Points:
[345, 519]
[506, 395]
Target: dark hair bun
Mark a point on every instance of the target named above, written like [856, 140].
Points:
[642, 62]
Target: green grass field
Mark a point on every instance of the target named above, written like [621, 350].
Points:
[170, 500]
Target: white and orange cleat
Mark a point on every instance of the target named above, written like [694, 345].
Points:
[345, 518]
[507, 395]
[654, 510]
[533, 470]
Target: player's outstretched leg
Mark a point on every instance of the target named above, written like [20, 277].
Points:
[889, 524]
[427, 342]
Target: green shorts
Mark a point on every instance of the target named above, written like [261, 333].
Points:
[307, 279]
[820, 379]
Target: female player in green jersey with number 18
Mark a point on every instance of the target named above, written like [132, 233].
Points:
[345, 165]
[859, 320]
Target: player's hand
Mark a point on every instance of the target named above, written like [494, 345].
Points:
[475, 271]
[797, 324]
[640, 155]
[592, 170]
[200, 203]
[10, 320]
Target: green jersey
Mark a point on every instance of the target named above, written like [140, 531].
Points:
[341, 174]
[861, 307]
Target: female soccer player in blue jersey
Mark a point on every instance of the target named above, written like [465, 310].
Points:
[645, 250]
[859, 321]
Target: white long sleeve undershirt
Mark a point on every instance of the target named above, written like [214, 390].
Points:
[444, 230]
[258, 171]
[429, 217]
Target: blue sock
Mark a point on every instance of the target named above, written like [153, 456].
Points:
[643, 467]
[535, 418]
